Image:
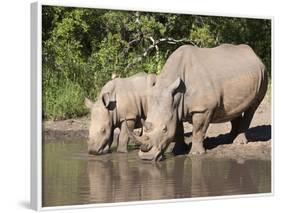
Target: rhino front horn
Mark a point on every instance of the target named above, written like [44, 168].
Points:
[138, 139]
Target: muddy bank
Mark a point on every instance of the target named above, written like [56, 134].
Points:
[66, 129]
[217, 142]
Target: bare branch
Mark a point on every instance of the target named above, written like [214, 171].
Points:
[137, 40]
[168, 40]
[152, 40]
[155, 45]
[151, 47]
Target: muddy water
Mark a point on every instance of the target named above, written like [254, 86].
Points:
[71, 177]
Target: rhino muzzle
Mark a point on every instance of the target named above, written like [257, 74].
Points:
[94, 150]
[152, 155]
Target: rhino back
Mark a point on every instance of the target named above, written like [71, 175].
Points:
[228, 78]
[131, 96]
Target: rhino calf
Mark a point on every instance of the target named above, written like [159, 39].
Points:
[120, 99]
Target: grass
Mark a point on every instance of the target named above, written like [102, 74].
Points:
[63, 101]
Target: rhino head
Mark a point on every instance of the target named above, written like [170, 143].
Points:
[101, 125]
[162, 117]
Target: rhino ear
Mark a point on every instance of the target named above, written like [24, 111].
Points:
[108, 101]
[88, 103]
[114, 75]
[174, 86]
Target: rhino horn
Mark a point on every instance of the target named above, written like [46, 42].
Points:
[138, 139]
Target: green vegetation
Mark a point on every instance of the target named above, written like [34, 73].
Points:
[64, 101]
[82, 48]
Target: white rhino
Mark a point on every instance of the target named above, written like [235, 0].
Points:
[120, 99]
[202, 86]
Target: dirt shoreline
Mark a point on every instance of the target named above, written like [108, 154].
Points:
[66, 129]
[217, 142]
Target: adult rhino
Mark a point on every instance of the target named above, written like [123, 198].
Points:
[120, 99]
[202, 86]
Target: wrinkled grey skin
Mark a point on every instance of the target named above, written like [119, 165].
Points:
[202, 86]
[120, 99]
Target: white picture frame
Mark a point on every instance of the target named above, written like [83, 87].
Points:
[36, 111]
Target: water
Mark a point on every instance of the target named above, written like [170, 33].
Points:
[72, 177]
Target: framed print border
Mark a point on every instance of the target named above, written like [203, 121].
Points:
[36, 108]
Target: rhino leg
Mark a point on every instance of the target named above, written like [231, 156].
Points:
[116, 134]
[235, 127]
[180, 146]
[249, 114]
[200, 123]
[123, 137]
[244, 124]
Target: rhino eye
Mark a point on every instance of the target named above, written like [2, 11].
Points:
[164, 128]
[102, 129]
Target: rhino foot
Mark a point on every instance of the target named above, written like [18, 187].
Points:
[197, 150]
[240, 139]
[122, 149]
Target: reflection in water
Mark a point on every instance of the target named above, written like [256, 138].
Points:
[72, 177]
